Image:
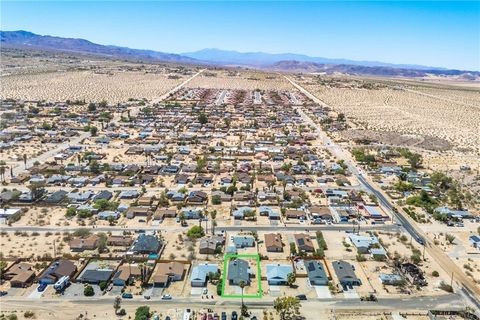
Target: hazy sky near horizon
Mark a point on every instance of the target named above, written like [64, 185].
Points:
[432, 33]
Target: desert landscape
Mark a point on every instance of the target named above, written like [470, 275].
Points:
[145, 185]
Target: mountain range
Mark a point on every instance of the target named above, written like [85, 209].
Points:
[262, 59]
[288, 62]
[28, 40]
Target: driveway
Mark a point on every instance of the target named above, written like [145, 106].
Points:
[274, 291]
[35, 294]
[322, 292]
[196, 291]
[350, 294]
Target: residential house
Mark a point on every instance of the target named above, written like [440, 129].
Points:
[119, 241]
[129, 194]
[273, 242]
[200, 274]
[162, 213]
[82, 244]
[474, 241]
[277, 274]
[295, 214]
[197, 197]
[391, 279]
[21, 275]
[125, 274]
[57, 270]
[320, 213]
[103, 195]
[363, 243]
[146, 244]
[238, 271]
[108, 214]
[243, 241]
[346, 274]
[95, 276]
[210, 245]
[167, 272]
[304, 243]
[316, 273]
[133, 212]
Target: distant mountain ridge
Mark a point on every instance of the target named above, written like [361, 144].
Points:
[263, 59]
[312, 67]
[25, 40]
[286, 62]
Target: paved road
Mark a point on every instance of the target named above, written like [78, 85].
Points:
[467, 287]
[221, 98]
[338, 227]
[181, 85]
[46, 155]
[409, 303]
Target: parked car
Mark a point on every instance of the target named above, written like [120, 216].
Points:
[224, 315]
[301, 297]
[166, 297]
[234, 315]
[3, 293]
[42, 287]
[147, 297]
[127, 295]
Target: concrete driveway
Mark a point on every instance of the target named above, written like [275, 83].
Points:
[35, 294]
[350, 294]
[322, 292]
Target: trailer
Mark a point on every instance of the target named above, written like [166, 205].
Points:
[62, 283]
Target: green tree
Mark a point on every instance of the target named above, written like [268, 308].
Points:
[103, 104]
[88, 291]
[142, 313]
[71, 212]
[449, 237]
[202, 118]
[242, 285]
[291, 279]
[195, 232]
[216, 199]
[93, 131]
[94, 166]
[287, 307]
[103, 285]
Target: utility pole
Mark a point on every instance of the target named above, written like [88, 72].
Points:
[54, 250]
[451, 281]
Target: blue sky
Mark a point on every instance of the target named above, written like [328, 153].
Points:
[441, 34]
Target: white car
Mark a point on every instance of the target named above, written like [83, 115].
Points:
[166, 297]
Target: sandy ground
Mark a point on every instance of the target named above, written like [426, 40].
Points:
[87, 85]
[451, 114]
[249, 80]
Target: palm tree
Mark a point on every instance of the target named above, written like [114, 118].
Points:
[2, 170]
[242, 285]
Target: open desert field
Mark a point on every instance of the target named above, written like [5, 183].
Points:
[88, 85]
[432, 116]
[247, 80]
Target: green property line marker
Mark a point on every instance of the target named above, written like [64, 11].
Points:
[227, 258]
